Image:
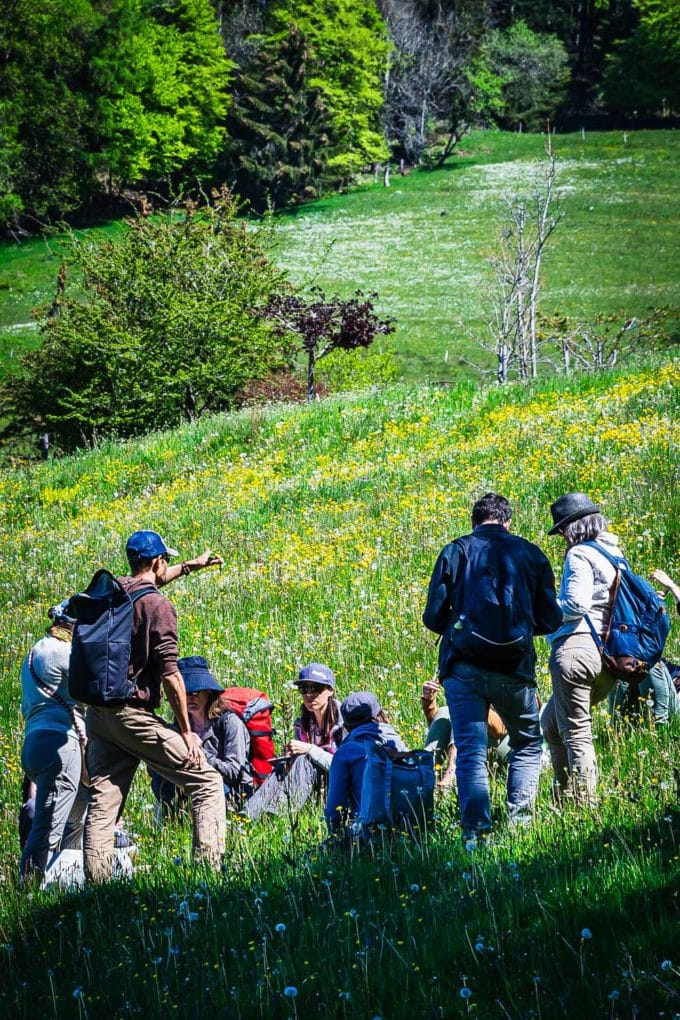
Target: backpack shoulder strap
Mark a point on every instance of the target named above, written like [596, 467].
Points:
[616, 561]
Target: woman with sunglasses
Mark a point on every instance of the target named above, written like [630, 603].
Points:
[308, 756]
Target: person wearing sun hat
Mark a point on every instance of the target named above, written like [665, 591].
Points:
[52, 819]
[223, 734]
[578, 677]
[122, 735]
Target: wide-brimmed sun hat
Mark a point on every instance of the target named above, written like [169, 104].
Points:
[196, 675]
[62, 612]
[570, 508]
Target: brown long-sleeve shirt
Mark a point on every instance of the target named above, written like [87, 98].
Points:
[153, 654]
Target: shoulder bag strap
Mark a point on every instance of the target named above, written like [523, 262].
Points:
[55, 696]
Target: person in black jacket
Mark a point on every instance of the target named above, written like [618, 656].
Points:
[490, 593]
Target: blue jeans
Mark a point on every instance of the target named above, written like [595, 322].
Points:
[469, 692]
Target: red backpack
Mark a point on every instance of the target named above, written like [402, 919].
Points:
[255, 709]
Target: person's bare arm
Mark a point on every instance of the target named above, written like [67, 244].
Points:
[428, 699]
[173, 685]
[668, 583]
[206, 559]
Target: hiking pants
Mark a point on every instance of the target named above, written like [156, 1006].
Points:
[53, 760]
[119, 737]
[578, 682]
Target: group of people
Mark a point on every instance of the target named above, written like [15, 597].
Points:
[491, 592]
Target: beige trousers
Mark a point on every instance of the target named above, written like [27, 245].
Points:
[119, 737]
[579, 681]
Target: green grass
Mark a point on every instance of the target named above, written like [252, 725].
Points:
[329, 518]
[423, 244]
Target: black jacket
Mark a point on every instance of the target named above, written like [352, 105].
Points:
[487, 550]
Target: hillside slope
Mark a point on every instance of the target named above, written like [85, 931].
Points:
[329, 518]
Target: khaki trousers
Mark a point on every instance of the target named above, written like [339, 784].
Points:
[119, 737]
[579, 681]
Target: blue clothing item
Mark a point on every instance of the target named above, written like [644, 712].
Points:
[469, 692]
[657, 688]
[479, 559]
[347, 770]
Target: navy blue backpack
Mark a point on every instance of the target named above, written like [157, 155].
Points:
[100, 650]
[638, 624]
[397, 789]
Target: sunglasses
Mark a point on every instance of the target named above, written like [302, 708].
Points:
[310, 689]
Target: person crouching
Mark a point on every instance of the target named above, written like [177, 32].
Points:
[365, 723]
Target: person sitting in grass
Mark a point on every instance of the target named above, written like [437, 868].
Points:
[308, 756]
[364, 722]
[224, 737]
[656, 696]
[439, 737]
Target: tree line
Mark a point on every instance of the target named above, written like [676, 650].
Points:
[283, 99]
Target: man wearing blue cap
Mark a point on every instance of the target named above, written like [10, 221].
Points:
[122, 735]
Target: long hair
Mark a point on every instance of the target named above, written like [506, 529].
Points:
[585, 529]
[331, 718]
[215, 707]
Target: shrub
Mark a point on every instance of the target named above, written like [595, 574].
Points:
[164, 327]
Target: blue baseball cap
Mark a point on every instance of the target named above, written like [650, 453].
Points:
[196, 675]
[316, 673]
[146, 545]
[359, 708]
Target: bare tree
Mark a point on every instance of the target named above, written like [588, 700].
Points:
[531, 220]
[606, 341]
[426, 88]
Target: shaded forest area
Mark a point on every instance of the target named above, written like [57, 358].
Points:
[103, 100]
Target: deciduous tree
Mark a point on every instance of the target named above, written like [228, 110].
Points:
[167, 325]
[321, 326]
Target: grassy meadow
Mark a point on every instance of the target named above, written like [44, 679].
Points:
[424, 243]
[329, 518]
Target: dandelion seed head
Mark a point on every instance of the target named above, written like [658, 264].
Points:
[465, 992]
[586, 934]
[280, 927]
[666, 965]
[290, 991]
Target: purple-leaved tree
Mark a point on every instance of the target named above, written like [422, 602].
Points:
[325, 325]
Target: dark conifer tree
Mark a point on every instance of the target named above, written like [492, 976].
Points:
[277, 126]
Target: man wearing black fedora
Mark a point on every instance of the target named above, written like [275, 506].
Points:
[579, 679]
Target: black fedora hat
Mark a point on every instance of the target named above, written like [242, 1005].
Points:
[570, 508]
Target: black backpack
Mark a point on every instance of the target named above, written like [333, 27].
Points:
[489, 624]
[100, 650]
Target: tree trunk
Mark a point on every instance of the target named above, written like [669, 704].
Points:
[311, 391]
